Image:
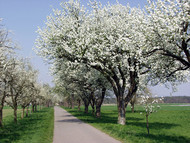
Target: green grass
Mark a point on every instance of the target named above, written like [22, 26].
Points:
[37, 128]
[171, 124]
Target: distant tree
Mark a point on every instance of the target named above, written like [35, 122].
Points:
[29, 88]
[17, 77]
[47, 93]
[80, 82]
[18, 81]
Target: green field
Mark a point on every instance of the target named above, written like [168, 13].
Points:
[171, 124]
[37, 128]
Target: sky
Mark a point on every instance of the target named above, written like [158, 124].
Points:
[23, 17]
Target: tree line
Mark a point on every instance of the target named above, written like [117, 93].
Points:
[19, 84]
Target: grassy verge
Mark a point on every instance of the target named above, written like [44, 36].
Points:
[37, 128]
[169, 125]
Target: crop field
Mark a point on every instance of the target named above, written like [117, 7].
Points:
[171, 124]
[37, 128]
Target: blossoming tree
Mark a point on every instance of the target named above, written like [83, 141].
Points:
[105, 39]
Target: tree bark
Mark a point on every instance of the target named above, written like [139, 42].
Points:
[99, 103]
[86, 104]
[69, 103]
[15, 113]
[121, 111]
[86, 108]
[133, 100]
[121, 101]
[93, 108]
[1, 109]
[35, 107]
[133, 107]
[27, 112]
[98, 111]
[72, 101]
[92, 102]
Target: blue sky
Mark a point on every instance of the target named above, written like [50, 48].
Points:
[23, 17]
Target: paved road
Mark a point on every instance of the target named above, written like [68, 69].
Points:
[68, 129]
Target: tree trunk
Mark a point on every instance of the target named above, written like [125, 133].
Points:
[132, 107]
[86, 108]
[27, 112]
[23, 108]
[86, 104]
[1, 116]
[99, 103]
[133, 100]
[69, 103]
[1, 109]
[15, 114]
[72, 101]
[47, 103]
[147, 124]
[98, 111]
[92, 102]
[93, 109]
[121, 111]
[33, 108]
[79, 102]
[121, 103]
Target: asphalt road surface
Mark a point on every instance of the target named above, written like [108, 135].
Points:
[69, 129]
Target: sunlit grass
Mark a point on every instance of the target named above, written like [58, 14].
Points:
[169, 124]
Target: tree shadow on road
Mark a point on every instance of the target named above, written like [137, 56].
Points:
[71, 121]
